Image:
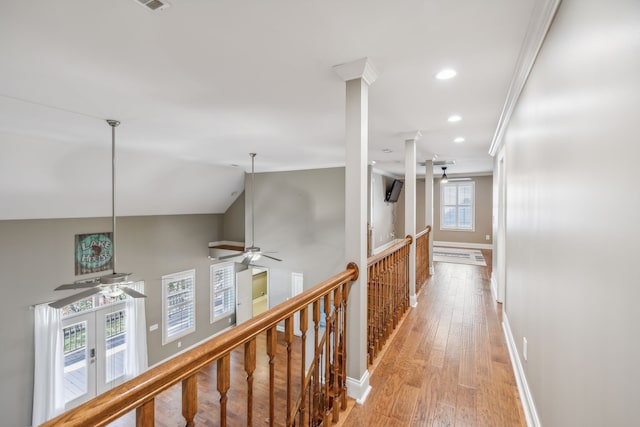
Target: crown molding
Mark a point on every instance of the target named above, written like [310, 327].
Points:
[358, 69]
[541, 19]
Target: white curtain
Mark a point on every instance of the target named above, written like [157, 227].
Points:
[136, 359]
[48, 378]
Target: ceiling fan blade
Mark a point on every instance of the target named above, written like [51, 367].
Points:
[80, 285]
[268, 256]
[132, 293]
[73, 298]
[229, 256]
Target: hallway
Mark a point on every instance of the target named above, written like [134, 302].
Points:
[448, 364]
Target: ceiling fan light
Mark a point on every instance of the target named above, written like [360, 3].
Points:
[112, 291]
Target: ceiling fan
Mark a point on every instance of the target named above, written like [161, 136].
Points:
[251, 253]
[112, 285]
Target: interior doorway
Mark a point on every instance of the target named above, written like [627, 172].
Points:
[260, 290]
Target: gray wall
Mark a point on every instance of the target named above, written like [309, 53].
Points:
[483, 220]
[572, 218]
[233, 221]
[38, 255]
[300, 215]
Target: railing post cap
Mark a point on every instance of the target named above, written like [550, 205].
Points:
[354, 266]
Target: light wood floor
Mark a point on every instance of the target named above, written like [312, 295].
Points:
[448, 364]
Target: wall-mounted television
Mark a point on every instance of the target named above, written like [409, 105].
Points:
[394, 191]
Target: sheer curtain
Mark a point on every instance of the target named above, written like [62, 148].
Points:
[136, 359]
[48, 377]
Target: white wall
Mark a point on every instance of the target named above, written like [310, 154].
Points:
[572, 218]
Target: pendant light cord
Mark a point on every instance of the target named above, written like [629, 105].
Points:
[113, 124]
[253, 192]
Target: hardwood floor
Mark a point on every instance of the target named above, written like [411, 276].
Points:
[448, 364]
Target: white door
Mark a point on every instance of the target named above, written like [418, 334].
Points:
[244, 295]
[297, 286]
[95, 349]
[79, 359]
[111, 346]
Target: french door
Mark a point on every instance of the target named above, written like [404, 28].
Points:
[95, 352]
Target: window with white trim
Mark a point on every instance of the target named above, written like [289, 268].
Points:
[178, 305]
[457, 206]
[223, 290]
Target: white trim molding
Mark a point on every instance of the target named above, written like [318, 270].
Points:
[464, 245]
[541, 18]
[359, 389]
[528, 405]
[358, 69]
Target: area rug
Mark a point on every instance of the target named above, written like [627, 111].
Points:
[459, 256]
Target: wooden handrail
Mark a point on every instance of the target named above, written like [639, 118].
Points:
[391, 249]
[422, 257]
[387, 293]
[139, 392]
[423, 232]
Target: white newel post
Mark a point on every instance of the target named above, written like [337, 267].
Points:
[358, 75]
[410, 161]
[428, 207]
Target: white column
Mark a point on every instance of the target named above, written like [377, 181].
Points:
[428, 207]
[410, 161]
[358, 75]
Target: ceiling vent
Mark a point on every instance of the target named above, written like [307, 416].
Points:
[153, 5]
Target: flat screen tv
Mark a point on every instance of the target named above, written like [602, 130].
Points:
[394, 192]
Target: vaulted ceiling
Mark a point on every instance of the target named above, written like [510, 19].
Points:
[199, 85]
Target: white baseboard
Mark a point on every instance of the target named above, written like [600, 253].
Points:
[494, 286]
[431, 269]
[523, 387]
[359, 389]
[464, 245]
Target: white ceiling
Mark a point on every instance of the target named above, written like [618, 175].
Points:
[203, 83]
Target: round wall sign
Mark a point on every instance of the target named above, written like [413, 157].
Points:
[94, 250]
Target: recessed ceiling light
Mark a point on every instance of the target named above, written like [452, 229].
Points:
[373, 162]
[459, 139]
[454, 118]
[387, 150]
[446, 74]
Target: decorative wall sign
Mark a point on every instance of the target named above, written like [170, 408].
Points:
[94, 252]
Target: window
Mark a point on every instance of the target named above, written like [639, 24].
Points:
[178, 308]
[457, 206]
[223, 295]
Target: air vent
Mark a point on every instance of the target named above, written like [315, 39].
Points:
[153, 5]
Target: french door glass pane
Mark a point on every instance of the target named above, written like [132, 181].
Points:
[76, 360]
[115, 344]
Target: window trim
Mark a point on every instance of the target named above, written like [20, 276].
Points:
[443, 227]
[212, 292]
[166, 280]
